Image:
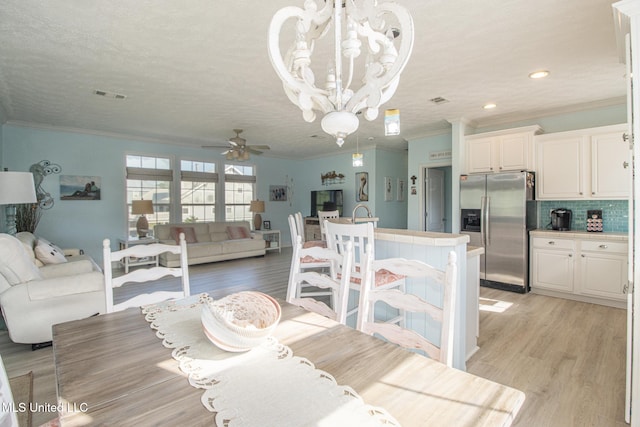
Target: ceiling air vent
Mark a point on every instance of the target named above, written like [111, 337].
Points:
[439, 100]
[109, 94]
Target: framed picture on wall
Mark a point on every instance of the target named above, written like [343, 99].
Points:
[362, 187]
[388, 189]
[400, 190]
[76, 187]
[277, 193]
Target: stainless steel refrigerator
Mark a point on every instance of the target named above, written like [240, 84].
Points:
[497, 211]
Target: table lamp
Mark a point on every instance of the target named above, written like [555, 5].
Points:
[15, 188]
[142, 207]
[257, 206]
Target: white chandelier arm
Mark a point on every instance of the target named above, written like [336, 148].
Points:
[297, 77]
[382, 77]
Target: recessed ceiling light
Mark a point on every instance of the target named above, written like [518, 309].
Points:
[539, 74]
[489, 106]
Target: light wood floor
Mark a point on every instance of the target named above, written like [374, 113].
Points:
[568, 357]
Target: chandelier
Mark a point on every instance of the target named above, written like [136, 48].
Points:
[379, 26]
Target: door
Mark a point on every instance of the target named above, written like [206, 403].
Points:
[505, 232]
[434, 212]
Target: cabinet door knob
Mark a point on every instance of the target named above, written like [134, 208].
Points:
[551, 242]
[625, 164]
[570, 255]
[603, 246]
[583, 256]
[625, 136]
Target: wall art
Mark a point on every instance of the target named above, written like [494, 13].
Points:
[78, 187]
[362, 186]
[277, 193]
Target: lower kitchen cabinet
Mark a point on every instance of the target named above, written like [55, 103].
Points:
[552, 263]
[579, 265]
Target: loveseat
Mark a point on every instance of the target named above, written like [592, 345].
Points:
[40, 287]
[210, 241]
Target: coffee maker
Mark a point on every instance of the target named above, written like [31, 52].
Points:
[561, 219]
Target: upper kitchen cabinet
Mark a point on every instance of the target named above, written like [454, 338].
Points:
[583, 164]
[501, 151]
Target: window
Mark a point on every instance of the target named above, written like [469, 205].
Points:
[239, 189]
[149, 178]
[198, 182]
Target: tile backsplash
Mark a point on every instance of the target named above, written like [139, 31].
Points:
[615, 213]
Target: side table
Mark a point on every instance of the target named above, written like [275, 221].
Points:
[272, 237]
[132, 262]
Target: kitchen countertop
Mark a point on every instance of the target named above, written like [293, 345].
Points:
[420, 237]
[580, 234]
[474, 251]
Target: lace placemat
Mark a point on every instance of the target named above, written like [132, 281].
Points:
[265, 386]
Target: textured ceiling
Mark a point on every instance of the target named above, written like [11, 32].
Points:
[192, 71]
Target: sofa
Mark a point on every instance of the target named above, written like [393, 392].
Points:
[40, 287]
[210, 241]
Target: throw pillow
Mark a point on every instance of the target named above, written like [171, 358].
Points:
[15, 264]
[238, 232]
[48, 253]
[189, 234]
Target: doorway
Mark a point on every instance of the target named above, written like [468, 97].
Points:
[436, 198]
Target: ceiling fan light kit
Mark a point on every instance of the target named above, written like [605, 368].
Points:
[238, 148]
[378, 25]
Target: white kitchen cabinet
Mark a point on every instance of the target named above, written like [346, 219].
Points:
[590, 267]
[603, 269]
[552, 264]
[583, 164]
[610, 166]
[501, 151]
[560, 173]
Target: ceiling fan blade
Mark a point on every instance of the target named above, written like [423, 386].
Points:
[215, 146]
[252, 151]
[260, 147]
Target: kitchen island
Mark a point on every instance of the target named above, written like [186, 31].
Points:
[433, 248]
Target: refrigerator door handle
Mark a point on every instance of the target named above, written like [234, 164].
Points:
[483, 221]
[487, 220]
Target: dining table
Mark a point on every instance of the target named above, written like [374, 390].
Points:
[113, 369]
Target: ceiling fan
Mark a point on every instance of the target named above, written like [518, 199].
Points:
[238, 148]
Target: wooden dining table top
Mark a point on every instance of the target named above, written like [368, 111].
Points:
[113, 370]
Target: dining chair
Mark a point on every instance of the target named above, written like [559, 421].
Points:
[446, 280]
[362, 239]
[325, 215]
[140, 275]
[336, 282]
[300, 226]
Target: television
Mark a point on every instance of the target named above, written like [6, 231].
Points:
[326, 200]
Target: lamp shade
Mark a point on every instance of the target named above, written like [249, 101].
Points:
[141, 207]
[257, 206]
[16, 188]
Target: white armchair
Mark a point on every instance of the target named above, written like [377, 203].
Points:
[33, 298]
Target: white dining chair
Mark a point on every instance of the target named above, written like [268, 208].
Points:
[140, 274]
[322, 217]
[362, 239]
[336, 283]
[300, 226]
[446, 280]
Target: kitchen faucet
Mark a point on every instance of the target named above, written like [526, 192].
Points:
[358, 206]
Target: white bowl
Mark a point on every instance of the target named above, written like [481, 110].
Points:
[240, 321]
